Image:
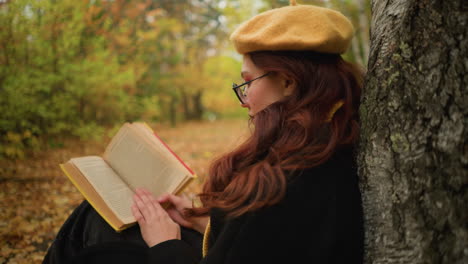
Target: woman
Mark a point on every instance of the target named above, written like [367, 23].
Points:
[290, 192]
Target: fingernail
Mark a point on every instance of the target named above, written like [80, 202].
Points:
[162, 198]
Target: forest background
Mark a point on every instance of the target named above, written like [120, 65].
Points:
[74, 68]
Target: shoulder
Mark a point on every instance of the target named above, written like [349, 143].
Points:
[342, 158]
[339, 171]
[317, 189]
[317, 196]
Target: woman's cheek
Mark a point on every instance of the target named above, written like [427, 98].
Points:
[260, 98]
[253, 99]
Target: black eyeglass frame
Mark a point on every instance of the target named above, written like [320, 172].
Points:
[236, 87]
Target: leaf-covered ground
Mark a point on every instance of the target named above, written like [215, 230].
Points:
[36, 197]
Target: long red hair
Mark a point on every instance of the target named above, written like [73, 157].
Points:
[288, 135]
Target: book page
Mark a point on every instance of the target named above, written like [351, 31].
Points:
[146, 131]
[140, 164]
[108, 184]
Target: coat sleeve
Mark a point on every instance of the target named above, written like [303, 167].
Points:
[174, 252]
[124, 252]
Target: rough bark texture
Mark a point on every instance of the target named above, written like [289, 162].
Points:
[413, 153]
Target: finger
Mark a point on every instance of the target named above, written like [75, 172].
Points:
[142, 206]
[179, 202]
[150, 199]
[147, 194]
[165, 201]
[146, 198]
[137, 214]
[178, 218]
[159, 210]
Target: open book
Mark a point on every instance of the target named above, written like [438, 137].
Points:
[135, 157]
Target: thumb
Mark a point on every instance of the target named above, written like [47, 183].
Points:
[179, 218]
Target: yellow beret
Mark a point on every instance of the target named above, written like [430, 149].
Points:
[295, 27]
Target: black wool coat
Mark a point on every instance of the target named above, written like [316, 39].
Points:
[320, 220]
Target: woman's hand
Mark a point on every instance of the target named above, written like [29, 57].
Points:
[176, 212]
[155, 224]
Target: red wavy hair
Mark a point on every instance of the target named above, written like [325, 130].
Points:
[288, 135]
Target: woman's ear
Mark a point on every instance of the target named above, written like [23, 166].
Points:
[289, 87]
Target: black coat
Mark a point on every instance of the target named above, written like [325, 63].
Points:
[320, 220]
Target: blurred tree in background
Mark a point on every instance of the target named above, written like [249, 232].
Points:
[71, 68]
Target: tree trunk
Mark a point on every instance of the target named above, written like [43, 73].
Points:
[197, 105]
[186, 104]
[173, 110]
[363, 30]
[413, 154]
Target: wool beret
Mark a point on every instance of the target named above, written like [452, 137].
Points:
[295, 27]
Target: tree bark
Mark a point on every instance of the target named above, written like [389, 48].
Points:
[413, 155]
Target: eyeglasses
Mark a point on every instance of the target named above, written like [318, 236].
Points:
[241, 89]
